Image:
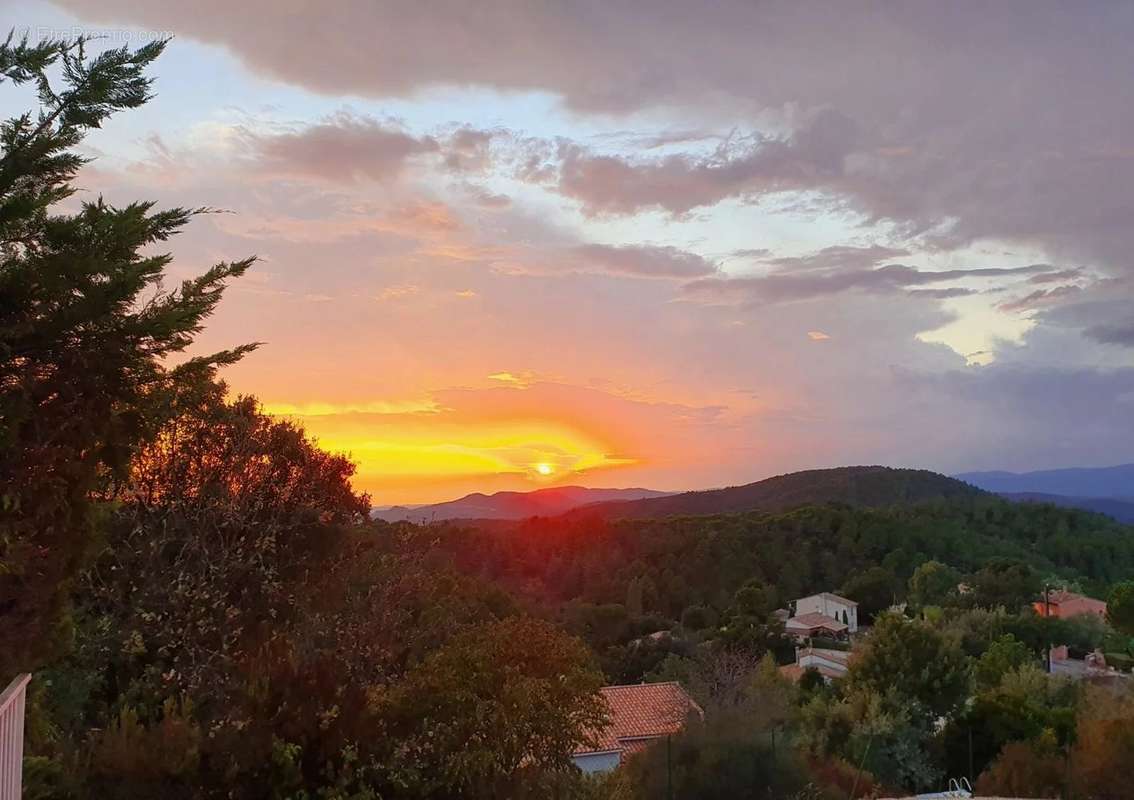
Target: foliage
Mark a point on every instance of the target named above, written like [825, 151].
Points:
[1025, 706]
[913, 660]
[704, 561]
[1004, 655]
[873, 589]
[1024, 769]
[1104, 745]
[890, 740]
[933, 584]
[1006, 582]
[1120, 608]
[730, 754]
[512, 694]
[86, 331]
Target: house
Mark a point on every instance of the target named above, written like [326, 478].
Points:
[1064, 604]
[806, 626]
[830, 664]
[1092, 668]
[830, 605]
[639, 714]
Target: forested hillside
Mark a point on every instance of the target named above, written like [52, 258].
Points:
[702, 560]
[865, 486]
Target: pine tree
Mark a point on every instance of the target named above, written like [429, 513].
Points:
[86, 330]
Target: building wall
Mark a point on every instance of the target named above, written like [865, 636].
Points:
[819, 604]
[806, 660]
[597, 762]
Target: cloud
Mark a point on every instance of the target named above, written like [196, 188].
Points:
[520, 380]
[790, 286]
[1099, 309]
[342, 148]
[468, 150]
[1040, 298]
[642, 261]
[484, 198]
[807, 158]
[1025, 417]
[920, 116]
[947, 293]
[1121, 333]
[838, 257]
[400, 292]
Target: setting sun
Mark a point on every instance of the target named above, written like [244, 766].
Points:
[543, 468]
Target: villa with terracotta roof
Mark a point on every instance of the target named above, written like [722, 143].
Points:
[639, 714]
[1064, 604]
[825, 614]
[830, 605]
[806, 626]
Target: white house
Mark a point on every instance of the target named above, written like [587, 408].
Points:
[830, 605]
[807, 626]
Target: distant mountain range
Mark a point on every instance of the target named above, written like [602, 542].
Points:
[511, 505]
[1107, 490]
[862, 486]
[1115, 482]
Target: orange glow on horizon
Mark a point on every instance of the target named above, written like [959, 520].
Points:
[421, 456]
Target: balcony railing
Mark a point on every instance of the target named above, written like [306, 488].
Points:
[12, 738]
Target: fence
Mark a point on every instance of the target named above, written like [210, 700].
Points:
[12, 738]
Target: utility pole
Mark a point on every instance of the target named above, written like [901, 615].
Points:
[669, 767]
[1047, 616]
[971, 776]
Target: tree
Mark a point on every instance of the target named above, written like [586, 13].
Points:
[86, 330]
[1120, 608]
[698, 618]
[205, 609]
[913, 660]
[1027, 704]
[729, 754]
[1003, 656]
[933, 584]
[1104, 746]
[753, 599]
[223, 514]
[873, 590]
[890, 739]
[1006, 582]
[1024, 769]
[509, 694]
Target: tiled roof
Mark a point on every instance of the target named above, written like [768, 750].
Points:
[836, 597]
[639, 712]
[1064, 596]
[815, 620]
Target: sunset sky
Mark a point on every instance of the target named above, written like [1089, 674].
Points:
[666, 244]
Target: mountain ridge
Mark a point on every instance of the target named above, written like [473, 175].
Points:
[550, 501]
[855, 485]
